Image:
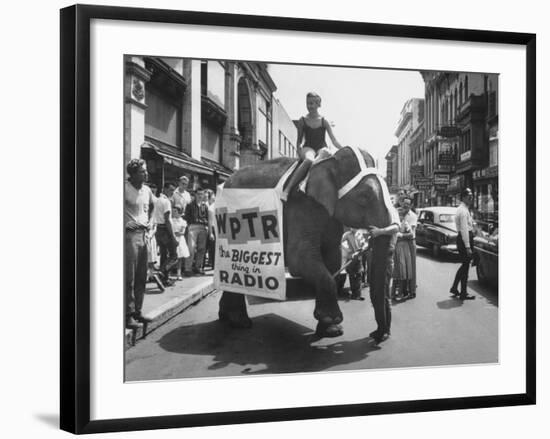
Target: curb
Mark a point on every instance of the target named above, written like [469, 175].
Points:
[167, 311]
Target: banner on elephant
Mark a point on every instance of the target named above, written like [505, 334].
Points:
[249, 243]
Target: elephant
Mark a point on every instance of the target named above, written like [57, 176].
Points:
[313, 225]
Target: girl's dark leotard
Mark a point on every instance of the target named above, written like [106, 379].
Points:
[314, 137]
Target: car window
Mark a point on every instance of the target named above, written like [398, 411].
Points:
[446, 218]
[430, 217]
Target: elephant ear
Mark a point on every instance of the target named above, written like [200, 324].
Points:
[321, 185]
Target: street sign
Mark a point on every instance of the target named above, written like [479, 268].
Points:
[423, 187]
[466, 156]
[423, 183]
[449, 131]
[446, 158]
[441, 179]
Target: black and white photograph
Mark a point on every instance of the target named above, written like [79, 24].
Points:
[283, 218]
[301, 219]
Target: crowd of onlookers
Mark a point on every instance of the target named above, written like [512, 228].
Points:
[169, 235]
[182, 232]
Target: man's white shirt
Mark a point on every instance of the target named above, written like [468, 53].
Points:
[162, 205]
[464, 223]
[136, 205]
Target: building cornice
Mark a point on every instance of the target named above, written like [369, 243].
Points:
[403, 122]
[138, 71]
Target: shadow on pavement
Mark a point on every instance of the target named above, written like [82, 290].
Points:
[489, 293]
[444, 257]
[273, 345]
[450, 303]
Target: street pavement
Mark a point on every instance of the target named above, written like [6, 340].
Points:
[433, 329]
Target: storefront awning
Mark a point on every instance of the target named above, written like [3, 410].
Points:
[177, 158]
[218, 168]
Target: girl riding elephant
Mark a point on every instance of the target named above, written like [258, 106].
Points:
[311, 130]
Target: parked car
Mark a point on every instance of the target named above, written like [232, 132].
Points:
[436, 229]
[486, 248]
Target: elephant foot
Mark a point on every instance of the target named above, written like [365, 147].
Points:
[232, 310]
[234, 320]
[330, 330]
[328, 318]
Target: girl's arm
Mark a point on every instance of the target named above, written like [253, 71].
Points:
[331, 135]
[300, 134]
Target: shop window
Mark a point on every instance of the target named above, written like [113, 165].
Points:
[213, 81]
[204, 78]
[162, 117]
[493, 153]
[262, 127]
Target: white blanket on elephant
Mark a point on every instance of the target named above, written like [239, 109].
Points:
[249, 242]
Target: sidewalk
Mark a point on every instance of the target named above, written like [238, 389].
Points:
[162, 306]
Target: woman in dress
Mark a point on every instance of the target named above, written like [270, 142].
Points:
[179, 225]
[403, 272]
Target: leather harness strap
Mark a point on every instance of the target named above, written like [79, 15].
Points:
[365, 171]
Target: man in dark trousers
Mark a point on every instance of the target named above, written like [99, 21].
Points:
[166, 239]
[381, 268]
[196, 215]
[138, 208]
[464, 244]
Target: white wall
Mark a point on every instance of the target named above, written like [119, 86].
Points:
[282, 122]
[30, 291]
[216, 82]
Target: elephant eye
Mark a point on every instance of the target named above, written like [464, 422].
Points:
[365, 199]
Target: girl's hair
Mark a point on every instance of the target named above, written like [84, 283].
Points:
[315, 96]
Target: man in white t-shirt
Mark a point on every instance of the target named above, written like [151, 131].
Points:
[138, 208]
[465, 244]
[412, 219]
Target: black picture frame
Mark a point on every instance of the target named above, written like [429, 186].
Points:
[75, 217]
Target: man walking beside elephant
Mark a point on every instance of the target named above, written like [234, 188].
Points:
[383, 242]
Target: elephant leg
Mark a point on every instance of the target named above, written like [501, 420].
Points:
[309, 241]
[327, 311]
[232, 309]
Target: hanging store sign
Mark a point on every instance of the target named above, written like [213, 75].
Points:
[466, 156]
[441, 179]
[446, 158]
[449, 131]
[423, 183]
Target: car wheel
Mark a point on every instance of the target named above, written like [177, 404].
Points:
[436, 250]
